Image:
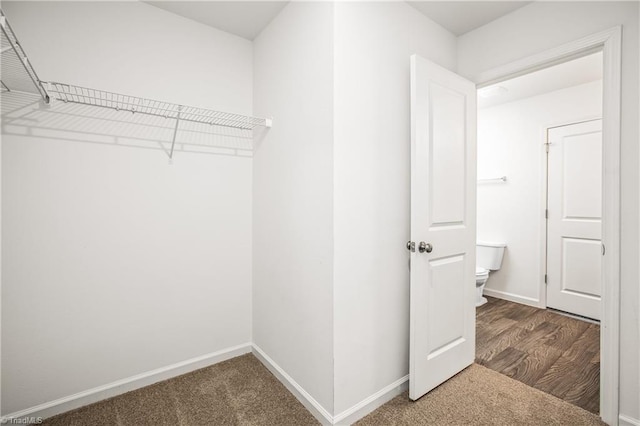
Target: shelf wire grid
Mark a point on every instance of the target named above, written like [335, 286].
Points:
[16, 72]
[100, 98]
[18, 77]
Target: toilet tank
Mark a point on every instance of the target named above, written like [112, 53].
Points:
[489, 255]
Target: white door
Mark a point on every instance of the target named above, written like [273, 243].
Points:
[574, 251]
[443, 201]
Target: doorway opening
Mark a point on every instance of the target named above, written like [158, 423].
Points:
[540, 194]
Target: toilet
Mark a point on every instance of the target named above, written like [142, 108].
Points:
[488, 258]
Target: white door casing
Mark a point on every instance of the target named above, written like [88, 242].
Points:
[443, 204]
[574, 252]
[610, 42]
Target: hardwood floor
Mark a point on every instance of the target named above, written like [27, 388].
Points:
[548, 351]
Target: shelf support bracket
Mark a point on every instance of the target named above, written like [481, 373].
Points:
[175, 132]
[14, 45]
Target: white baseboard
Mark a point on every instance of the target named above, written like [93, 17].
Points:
[138, 381]
[366, 406]
[119, 387]
[627, 421]
[512, 297]
[314, 407]
[347, 417]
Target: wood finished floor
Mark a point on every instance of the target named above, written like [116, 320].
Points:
[540, 348]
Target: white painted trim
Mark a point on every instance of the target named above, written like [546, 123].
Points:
[610, 42]
[348, 416]
[628, 421]
[138, 381]
[368, 405]
[530, 301]
[580, 120]
[610, 317]
[563, 53]
[542, 219]
[309, 402]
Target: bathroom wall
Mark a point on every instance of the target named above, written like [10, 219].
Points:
[115, 263]
[543, 25]
[510, 138]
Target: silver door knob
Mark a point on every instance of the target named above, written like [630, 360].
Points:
[425, 247]
[411, 246]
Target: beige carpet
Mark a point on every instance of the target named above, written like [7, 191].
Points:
[241, 391]
[479, 396]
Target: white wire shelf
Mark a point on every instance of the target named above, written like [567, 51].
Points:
[100, 98]
[68, 93]
[16, 73]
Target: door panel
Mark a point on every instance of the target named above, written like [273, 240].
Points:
[447, 280]
[442, 317]
[579, 267]
[574, 263]
[582, 168]
[447, 159]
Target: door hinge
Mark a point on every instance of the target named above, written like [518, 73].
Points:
[545, 279]
[546, 213]
[604, 250]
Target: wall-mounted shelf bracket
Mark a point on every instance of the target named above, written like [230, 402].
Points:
[175, 132]
[17, 72]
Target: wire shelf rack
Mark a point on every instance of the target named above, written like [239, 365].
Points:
[17, 75]
[68, 93]
[16, 72]
[83, 95]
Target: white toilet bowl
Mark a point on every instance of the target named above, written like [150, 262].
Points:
[488, 258]
[482, 275]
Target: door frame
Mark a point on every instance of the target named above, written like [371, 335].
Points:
[610, 43]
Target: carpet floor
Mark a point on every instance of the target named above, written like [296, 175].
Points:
[241, 391]
[479, 396]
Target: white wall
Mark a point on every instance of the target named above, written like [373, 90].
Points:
[373, 43]
[330, 195]
[510, 138]
[115, 263]
[541, 26]
[293, 197]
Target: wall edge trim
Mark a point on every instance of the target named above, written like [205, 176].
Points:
[371, 403]
[99, 393]
[530, 301]
[309, 402]
[628, 421]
